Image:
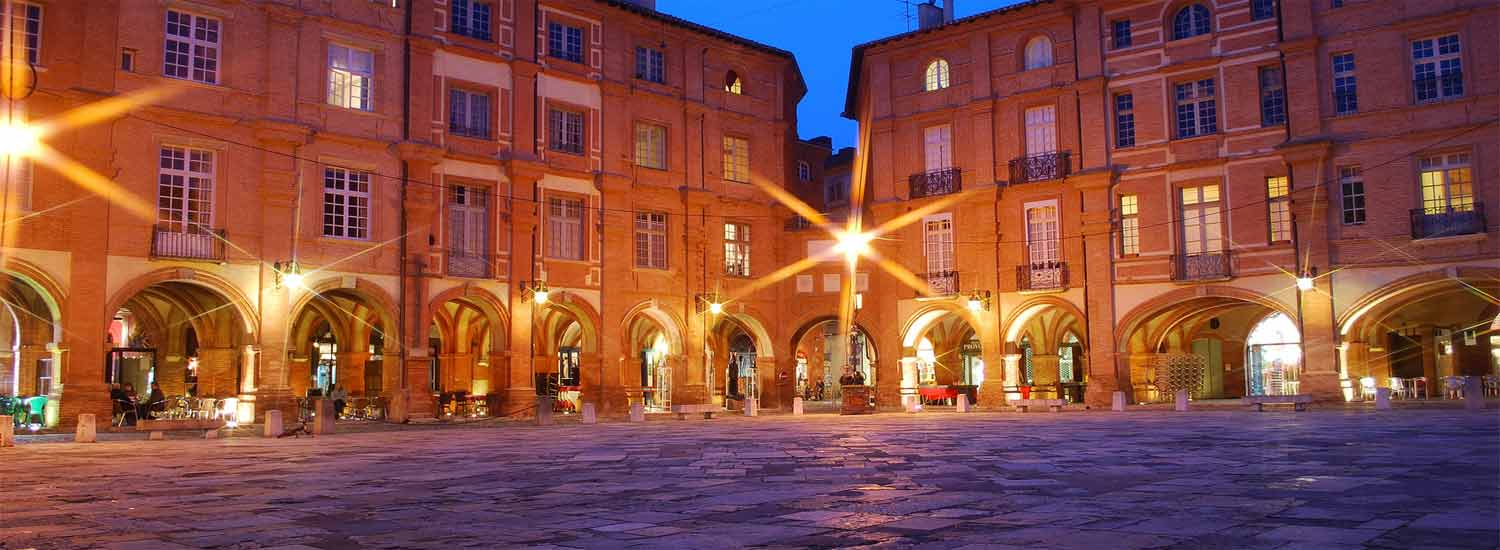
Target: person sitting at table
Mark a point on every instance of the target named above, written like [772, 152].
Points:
[859, 377]
[155, 402]
[338, 395]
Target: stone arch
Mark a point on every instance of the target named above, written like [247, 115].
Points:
[1375, 305]
[1128, 323]
[486, 303]
[918, 322]
[574, 307]
[225, 289]
[1023, 313]
[46, 286]
[669, 323]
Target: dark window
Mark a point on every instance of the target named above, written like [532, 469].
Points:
[1197, 113]
[565, 42]
[1352, 190]
[566, 131]
[1345, 87]
[1190, 21]
[1262, 9]
[1124, 120]
[1272, 97]
[1436, 68]
[471, 19]
[1336, 3]
[649, 65]
[1122, 37]
[468, 113]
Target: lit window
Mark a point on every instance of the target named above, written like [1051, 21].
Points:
[1446, 184]
[1437, 68]
[468, 113]
[350, 74]
[1345, 86]
[736, 159]
[737, 249]
[471, 19]
[937, 75]
[650, 65]
[651, 240]
[565, 131]
[565, 228]
[565, 42]
[1191, 21]
[1038, 53]
[1272, 97]
[346, 203]
[1202, 221]
[192, 50]
[1124, 120]
[185, 190]
[1196, 111]
[651, 146]
[732, 83]
[1352, 191]
[1279, 209]
[1130, 225]
[26, 29]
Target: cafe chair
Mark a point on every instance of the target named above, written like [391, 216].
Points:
[1367, 388]
[123, 409]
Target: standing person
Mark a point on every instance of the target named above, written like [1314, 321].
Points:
[338, 395]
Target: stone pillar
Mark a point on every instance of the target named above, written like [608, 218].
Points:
[217, 374]
[688, 385]
[273, 425]
[1106, 373]
[420, 403]
[171, 374]
[1428, 339]
[299, 375]
[350, 373]
[909, 380]
[85, 431]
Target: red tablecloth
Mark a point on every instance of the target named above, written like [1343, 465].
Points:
[938, 393]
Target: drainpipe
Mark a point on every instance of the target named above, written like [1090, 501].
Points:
[405, 173]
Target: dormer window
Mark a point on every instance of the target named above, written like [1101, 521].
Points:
[937, 75]
[732, 83]
[1190, 21]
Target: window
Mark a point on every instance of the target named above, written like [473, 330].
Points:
[1352, 191]
[127, 60]
[346, 203]
[1262, 9]
[1038, 53]
[1345, 88]
[565, 42]
[19, 183]
[471, 19]
[1279, 209]
[1446, 184]
[26, 29]
[468, 113]
[737, 249]
[649, 65]
[1436, 68]
[1336, 3]
[1124, 120]
[350, 73]
[1130, 225]
[732, 83]
[937, 146]
[1122, 38]
[1272, 97]
[192, 51]
[565, 131]
[651, 146]
[937, 75]
[185, 190]
[651, 240]
[937, 246]
[565, 228]
[736, 159]
[1190, 21]
[1041, 130]
[804, 171]
[1202, 224]
[468, 231]
[836, 190]
[1196, 113]
[1042, 247]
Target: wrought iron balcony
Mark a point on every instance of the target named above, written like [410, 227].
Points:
[1206, 266]
[468, 264]
[1042, 276]
[1046, 166]
[192, 243]
[936, 182]
[1428, 223]
[942, 283]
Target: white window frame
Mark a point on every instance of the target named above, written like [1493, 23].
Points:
[1430, 58]
[1043, 221]
[650, 65]
[189, 214]
[565, 228]
[804, 171]
[1447, 183]
[1202, 219]
[651, 240]
[1352, 194]
[937, 243]
[1041, 130]
[1345, 80]
[937, 75]
[346, 203]
[565, 41]
[1130, 224]
[651, 145]
[937, 147]
[737, 249]
[475, 17]
[463, 123]
[468, 221]
[193, 43]
[1279, 209]
[349, 85]
[565, 131]
[1199, 99]
[20, 17]
[737, 159]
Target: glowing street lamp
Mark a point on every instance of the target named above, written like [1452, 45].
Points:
[979, 300]
[19, 139]
[1304, 283]
[853, 244]
[288, 274]
[711, 303]
[536, 291]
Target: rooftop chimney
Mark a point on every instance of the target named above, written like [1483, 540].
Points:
[929, 15]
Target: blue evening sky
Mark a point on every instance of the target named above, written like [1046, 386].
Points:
[821, 33]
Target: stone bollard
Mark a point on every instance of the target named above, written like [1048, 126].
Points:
[156, 436]
[637, 412]
[322, 416]
[1117, 401]
[1181, 403]
[752, 406]
[543, 411]
[7, 431]
[797, 406]
[963, 403]
[590, 415]
[85, 432]
[1382, 399]
[273, 426]
[1473, 393]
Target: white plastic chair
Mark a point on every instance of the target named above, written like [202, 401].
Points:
[1367, 388]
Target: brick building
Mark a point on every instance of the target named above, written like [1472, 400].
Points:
[1252, 196]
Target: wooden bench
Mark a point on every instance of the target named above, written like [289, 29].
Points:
[1298, 402]
[683, 410]
[159, 427]
[1054, 405]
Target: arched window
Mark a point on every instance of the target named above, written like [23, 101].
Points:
[1038, 53]
[1190, 21]
[937, 75]
[1274, 354]
[732, 83]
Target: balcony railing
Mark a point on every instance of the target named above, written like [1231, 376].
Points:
[468, 264]
[1206, 266]
[1042, 276]
[192, 244]
[942, 283]
[1434, 88]
[1042, 167]
[936, 182]
[1428, 223]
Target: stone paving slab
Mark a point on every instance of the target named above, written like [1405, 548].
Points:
[1209, 479]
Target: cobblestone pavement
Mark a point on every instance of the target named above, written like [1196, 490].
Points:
[1073, 480]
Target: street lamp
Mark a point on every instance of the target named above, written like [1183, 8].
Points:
[853, 244]
[536, 292]
[288, 274]
[1305, 282]
[19, 139]
[711, 303]
[979, 300]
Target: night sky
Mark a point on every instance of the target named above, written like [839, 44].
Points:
[821, 33]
